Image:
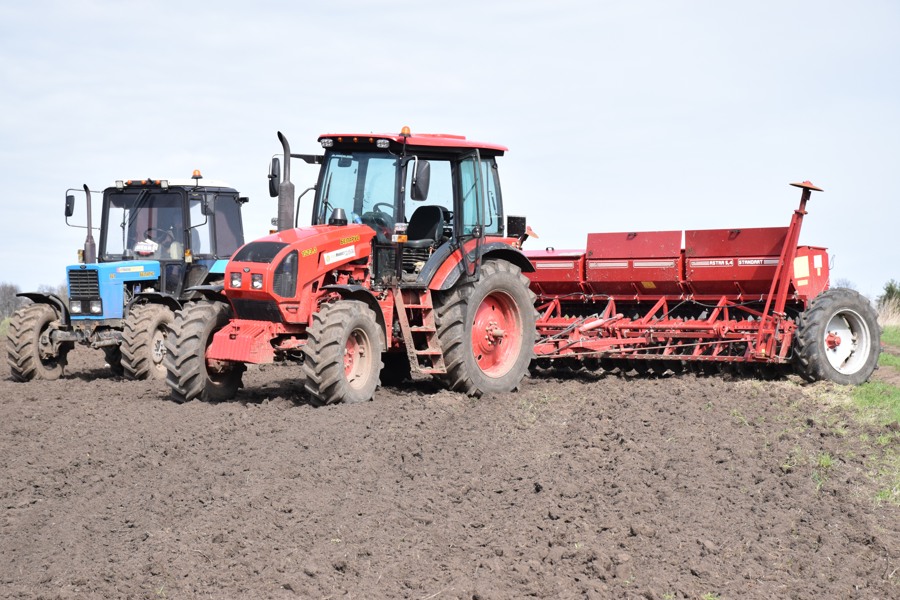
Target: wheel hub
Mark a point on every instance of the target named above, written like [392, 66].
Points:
[356, 358]
[496, 333]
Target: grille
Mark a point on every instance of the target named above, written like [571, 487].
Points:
[84, 283]
[257, 310]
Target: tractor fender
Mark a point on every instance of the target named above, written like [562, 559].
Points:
[364, 295]
[58, 304]
[154, 298]
[444, 268]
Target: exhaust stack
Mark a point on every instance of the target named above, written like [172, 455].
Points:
[90, 248]
[285, 189]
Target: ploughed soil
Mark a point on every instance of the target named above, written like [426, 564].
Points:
[577, 486]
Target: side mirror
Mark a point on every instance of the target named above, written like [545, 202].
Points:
[206, 206]
[274, 176]
[421, 180]
[515, 226]
[70, 205]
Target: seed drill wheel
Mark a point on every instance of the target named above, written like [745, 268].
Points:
[342, 353]
[29, 356]
[187, 372]
[486, 330]
[838, 338]
[144, 341]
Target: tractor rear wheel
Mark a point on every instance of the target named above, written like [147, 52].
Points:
[187, 372]
[144, 341]
[342, 354]
[486, 330]
[28, 355]
[838, 338]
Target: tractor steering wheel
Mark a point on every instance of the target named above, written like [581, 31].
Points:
[156, 234]
[381, 221]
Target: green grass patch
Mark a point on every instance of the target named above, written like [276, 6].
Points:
[891, 335]
[878, 401]
[889, 360]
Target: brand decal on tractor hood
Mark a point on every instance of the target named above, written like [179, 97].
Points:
[343, 253]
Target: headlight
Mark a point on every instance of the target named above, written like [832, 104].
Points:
[75, 307]
[256, 281]
[236, 280]
[96, 307]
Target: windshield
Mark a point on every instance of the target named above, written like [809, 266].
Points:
[217, 235]
[363, 184]
[143, 223]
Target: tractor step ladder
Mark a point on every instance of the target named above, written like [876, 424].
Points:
[416, 314]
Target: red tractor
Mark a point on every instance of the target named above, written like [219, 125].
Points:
[407, 267]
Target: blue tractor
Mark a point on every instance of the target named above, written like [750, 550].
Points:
[157, 239]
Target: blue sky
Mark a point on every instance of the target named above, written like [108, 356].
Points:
[619, 116]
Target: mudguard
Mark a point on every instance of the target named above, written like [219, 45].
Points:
[59, 305]
[445, 266]
[365, 295]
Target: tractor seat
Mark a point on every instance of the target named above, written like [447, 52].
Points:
[426, 227]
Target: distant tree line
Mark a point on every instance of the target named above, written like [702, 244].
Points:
[9, 302]
[891, 295]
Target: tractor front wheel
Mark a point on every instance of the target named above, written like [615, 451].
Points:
[144, 341]
[29, 351]
[838, 338]
[486, 330]
[342, 353]
[188, 374]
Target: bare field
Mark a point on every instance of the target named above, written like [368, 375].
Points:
[575, 487]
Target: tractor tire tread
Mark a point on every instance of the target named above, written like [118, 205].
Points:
[323, 353]
[185, 359]
[23, 346]
[141, 324]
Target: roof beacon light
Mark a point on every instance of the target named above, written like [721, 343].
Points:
[405, 131]
[197, 175]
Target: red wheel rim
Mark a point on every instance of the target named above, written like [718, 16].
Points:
[357, 358]
[496, 334]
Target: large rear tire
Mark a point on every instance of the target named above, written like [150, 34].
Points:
[187, 373]
[143, 345]
[838, 338]
[486, 330]
[343, 354]
[29, 357]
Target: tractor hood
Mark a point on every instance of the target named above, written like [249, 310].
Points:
[272, 276]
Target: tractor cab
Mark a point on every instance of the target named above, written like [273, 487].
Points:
[182, 225]
[423, 195]
[156, 236]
